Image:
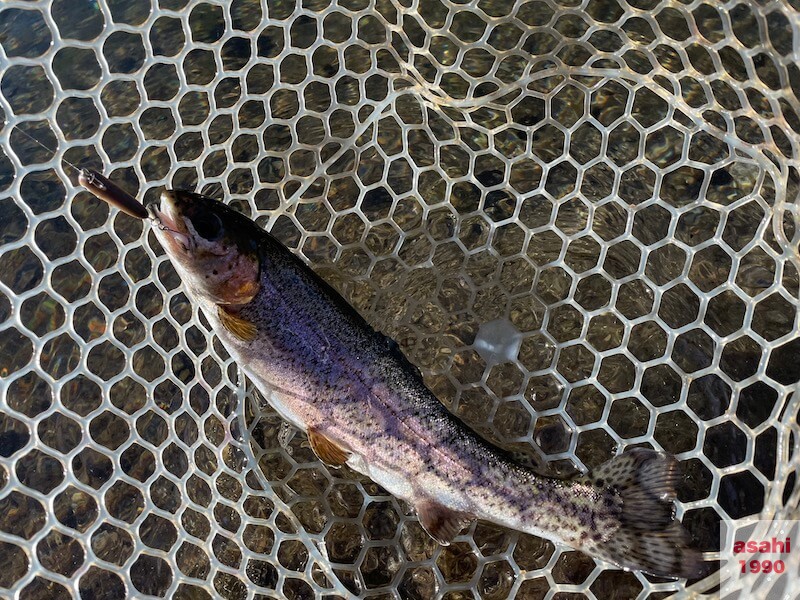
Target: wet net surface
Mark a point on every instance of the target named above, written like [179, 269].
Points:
[577, 218]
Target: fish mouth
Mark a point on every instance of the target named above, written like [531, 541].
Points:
[164, 217]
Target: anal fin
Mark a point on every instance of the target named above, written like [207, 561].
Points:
[442, 523]
[238, 327]
[327, 451]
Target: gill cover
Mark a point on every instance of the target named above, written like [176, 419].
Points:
[215, 247]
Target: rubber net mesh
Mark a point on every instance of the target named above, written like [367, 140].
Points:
[577, 217]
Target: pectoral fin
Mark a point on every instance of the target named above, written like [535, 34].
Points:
[442, 523]
[327, 451]
[241, 328]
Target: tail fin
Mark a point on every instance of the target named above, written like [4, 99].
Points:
[649, 539]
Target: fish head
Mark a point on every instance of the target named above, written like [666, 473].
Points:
[213, 247]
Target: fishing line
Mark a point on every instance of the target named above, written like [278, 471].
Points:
[99, 185]
[50, 150]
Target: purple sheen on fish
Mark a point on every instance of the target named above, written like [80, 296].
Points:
[364, 405]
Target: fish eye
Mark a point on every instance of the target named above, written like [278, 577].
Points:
[208, 226]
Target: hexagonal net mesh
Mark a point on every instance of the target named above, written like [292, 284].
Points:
[578, 217]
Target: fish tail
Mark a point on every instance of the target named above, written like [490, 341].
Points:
[648, 537]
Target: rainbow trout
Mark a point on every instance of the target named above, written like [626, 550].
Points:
[363, 404]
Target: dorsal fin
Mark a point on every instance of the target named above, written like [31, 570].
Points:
[241, 328]
[328, 451]
[441, 523]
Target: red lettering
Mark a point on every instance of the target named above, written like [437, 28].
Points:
[773, 545]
